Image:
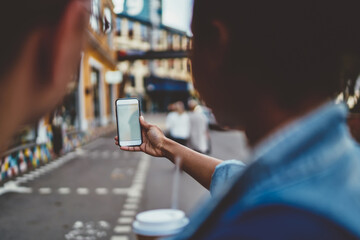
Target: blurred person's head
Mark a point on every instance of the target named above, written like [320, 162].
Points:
[40, 52]
[180, 108]
[192, 104]
[171, 107]
[269, 61]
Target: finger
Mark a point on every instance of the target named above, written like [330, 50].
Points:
[143, 123]
[116, 138]
[143, 135]
[137, 149]
[116, 143]
[131, 149]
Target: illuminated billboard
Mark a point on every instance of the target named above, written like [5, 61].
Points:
[139, 9]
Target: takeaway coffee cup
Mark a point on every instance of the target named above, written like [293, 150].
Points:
[159, 223]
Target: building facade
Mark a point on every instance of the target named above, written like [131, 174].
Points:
[156, 82]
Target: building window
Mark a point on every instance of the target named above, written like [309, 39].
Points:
[170, 41]
[188, 45]
[131, 29]
[171, 63]
[144, 33]
[95, 82]
[118, 26]
[110, 98]
[181, 65]
[108, 17]
[189, 65]
[180, 42]
[95, 16]
[158, 37]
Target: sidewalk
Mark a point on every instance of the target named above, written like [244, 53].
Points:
[24, 158]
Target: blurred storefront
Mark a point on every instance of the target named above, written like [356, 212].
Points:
[139, 30]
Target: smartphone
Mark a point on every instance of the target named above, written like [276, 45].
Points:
[128, 123]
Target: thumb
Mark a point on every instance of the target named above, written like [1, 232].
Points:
[143, 123]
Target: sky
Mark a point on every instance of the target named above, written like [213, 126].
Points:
[176, 13]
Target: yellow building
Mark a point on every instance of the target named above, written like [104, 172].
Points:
[96, 93]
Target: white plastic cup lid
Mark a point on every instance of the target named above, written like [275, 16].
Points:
[160, 222]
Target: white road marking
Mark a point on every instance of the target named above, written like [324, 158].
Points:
[122, 229]
[125, 220]
[138, 180]
[130, 206]
[101, 191]
[138, 186]
[35, 173]
[45, 190]
[128, 213]
[12, 186]
[64, 190]
[29, 176]
[120, 191]
[88, 230]
[41, 171]
[21, 179]
[135, 193]
[82, 191]
[119, 238]
[79, 151]
[133, 200]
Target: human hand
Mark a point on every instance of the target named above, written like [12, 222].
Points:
[153, 140]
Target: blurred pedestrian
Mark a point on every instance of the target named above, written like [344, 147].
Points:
[199, 139]
[40, 53]
[274, 67]
[57, 122]
[178, 124]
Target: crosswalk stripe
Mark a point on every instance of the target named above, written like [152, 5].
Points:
[119, 238]
[122, 229]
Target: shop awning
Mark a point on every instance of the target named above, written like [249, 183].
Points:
[130, 55]
[154, 83]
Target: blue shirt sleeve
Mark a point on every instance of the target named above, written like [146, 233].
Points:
[224, 173]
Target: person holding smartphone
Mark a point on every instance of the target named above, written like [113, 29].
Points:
[274, 67]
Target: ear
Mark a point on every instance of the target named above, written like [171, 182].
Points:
[70, 37]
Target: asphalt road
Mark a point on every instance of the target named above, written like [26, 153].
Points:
[95, 192]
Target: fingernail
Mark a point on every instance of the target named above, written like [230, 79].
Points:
[142, 117]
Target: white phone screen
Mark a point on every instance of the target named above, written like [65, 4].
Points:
[128, 122]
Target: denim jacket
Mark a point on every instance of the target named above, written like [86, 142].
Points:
[312, 164]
